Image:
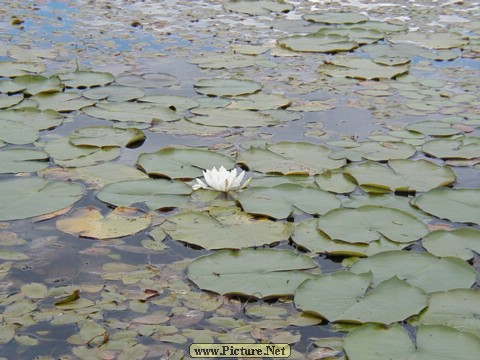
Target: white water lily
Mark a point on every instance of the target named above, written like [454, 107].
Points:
[221, 180]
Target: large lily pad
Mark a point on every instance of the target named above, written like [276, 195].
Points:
[36, 84]
[156, 194]
[182, 163]
[343, 297]
[261, 273]
[433, 128]
[279, 201]
[61, 101]
[361, 68]
[84, 79]
[457, 308]
[28, 197]
[259, 7]
[376, 342]
[106, 136]
[36, 119]
[401, 175]
[289, 158]
[17, 133]
[226, 87]
[22, 160]
[422, 270]
[460, 205]
[234, 230]
[370, 223]
[260, 101]
[336, 17]
[114, 93]
[461, 148]
[376, 151]
[432, 40]
[89, 222]
[232, 118]
[317, 42]
[307, 235]
[462, 242]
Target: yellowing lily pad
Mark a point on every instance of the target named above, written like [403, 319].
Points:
[89, 222]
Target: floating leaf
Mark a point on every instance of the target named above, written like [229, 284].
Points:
[232, 118]
[7, 332]
[17, 133]
[422, 270]
[22, 160]
[460, 205]
[401, 175]
[28, 197]
[182, 163]
[36, 84]
[156, 194]
[335, 182]
[226, 87]
[336, 17]
[106, 136]
[376, 151]
[343, 297]
[34, 118]
[260, 101]
[114, 93]
[432, 40]
[361, 68]
[61, 101]
[317, 42]
[90, 223]
[279, 201]
[457, 308]
[461, 148]
[289, 158]
[462, 242]
[234, 231]
[375, 342]
[13, 255]
[178, 103]
[12, 69]
[83, 79]
[261, 273]
[259, 7]
[153, 80]
[370, 223]
[433, 128]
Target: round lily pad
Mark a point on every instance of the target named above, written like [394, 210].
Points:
[460, 148]
[260, 273]
[317, 42]
[24, 198]
[84, 79]
[226, 87]
[232, 118]
[22, 160]
[106, 136]
[114, 93]
[462, 242]
[336, 17]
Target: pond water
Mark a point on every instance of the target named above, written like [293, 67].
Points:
[349, 115]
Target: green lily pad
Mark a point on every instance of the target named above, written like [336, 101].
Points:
[307, 235]
[400, 175]
[106, 136]
[361, 68]
[260, 101]
[89, 222]
[376, 151]
[232, 118]
[356, 34]
[343, 297]
[289, 158]
[433, 128]
[36, 84]
[84, 79]
[336, 17]
[177, 103]
[460, 205]
[36, 119]
[317, 42]
[422, 270]
[151, 80]
[457, 308]
[462, 242]
[17, 133]
[336, 182]
[258, 7]
[431, 40]
[61, 101]
[226, 87]
[114, 93]
[370, 223]
[22, 160]
[376, 342]
[235, 231]
[280, 201]
[260, 273]
[7, 333]
[7, 101]
[132, 112]
[182, 163]
[31, 196]
[12, 69]
[155, 193]
[461, 148]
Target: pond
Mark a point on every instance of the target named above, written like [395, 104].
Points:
[353, 234]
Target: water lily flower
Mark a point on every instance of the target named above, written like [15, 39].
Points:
[221, 180]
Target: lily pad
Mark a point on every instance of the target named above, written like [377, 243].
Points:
[259, 7]
[34, 118]
[226, 87]
[361, 68]
[433, 128]
[457, 308]
[260, 273]
[400, 176]
[317, 42]
[460, 205]
[336, 182]
[232, 118]
[307, 235]
[289, 158]
[336, 17]
[422, 270]
[106, 136]
[431, 40]
[461, 148]
[114, 93]
[156, 194]
[31, 196]
[89, 222]
[36, 84]
[22, 160]
[376, 151]
[376, 342]
[61, 101]
[17, 133]
[370, 223]
[343, 297]
[462, 242]
[182, 163]
[280, 201]
[233, 231]
[84, 79]
[260, 101]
